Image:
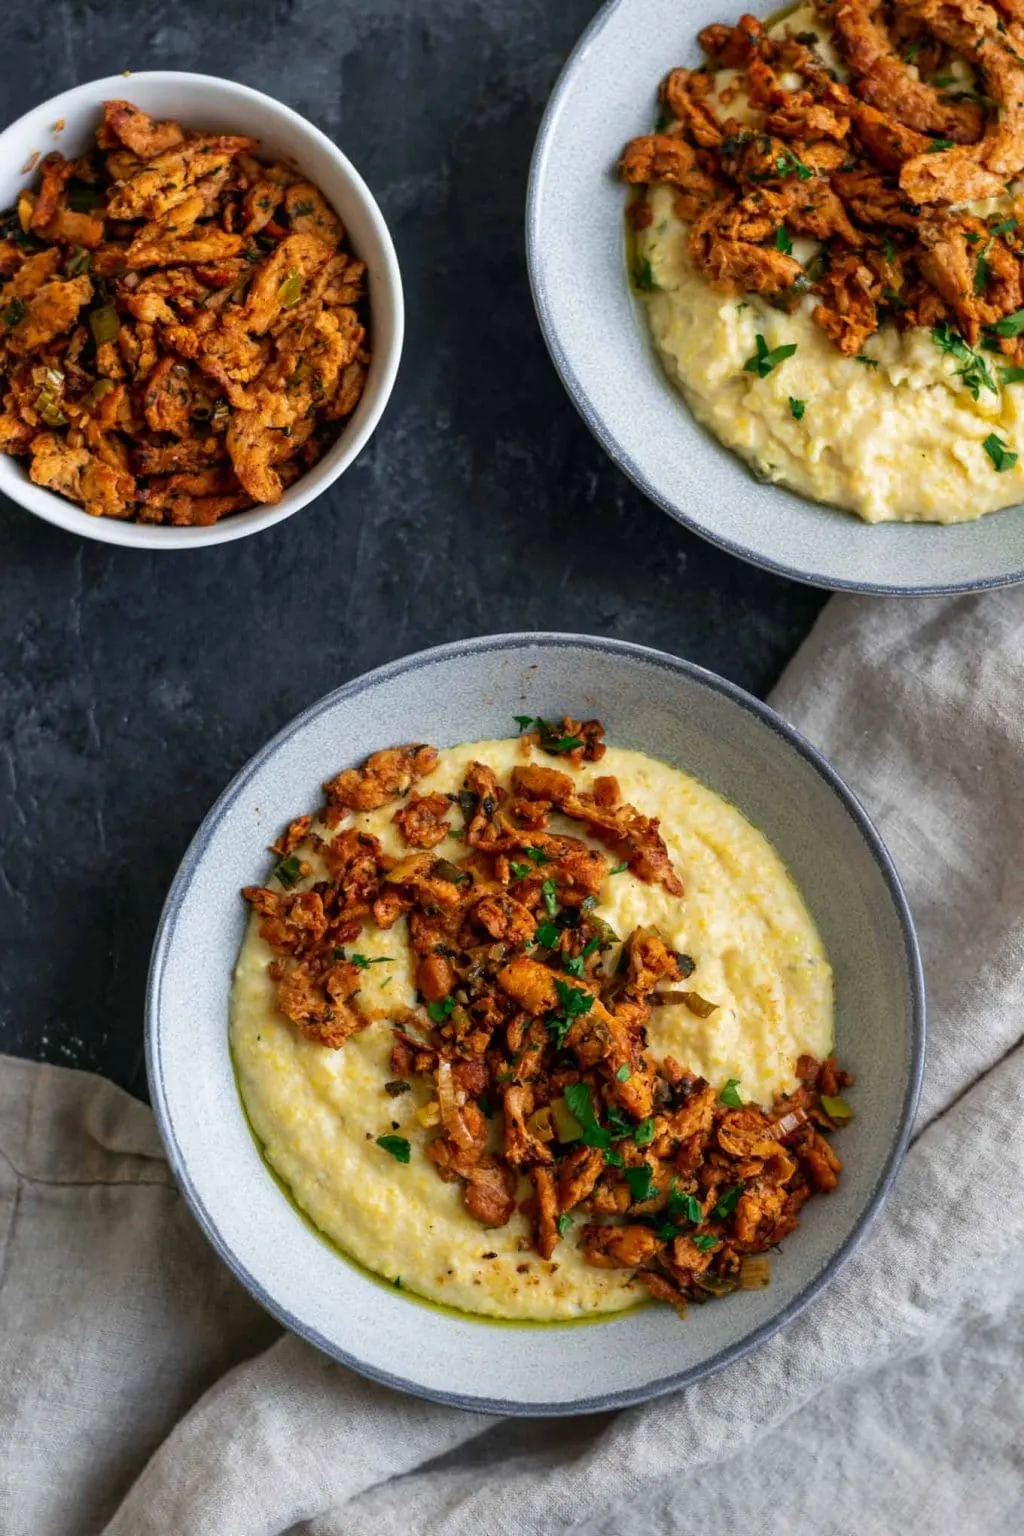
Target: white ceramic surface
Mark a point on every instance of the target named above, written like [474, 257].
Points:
[597, 335]
[469, 690]
[204, 102]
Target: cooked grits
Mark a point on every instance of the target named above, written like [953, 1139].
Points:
[896, 438]
[318, 1111]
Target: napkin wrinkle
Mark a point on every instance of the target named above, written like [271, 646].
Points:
[171, 1404]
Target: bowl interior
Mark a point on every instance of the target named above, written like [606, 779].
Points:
[598, 339]
[459, 693]
[202, 102]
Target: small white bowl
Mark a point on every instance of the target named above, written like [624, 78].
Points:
[223, 106]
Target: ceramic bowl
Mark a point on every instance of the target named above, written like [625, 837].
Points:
[671, 710]
[201, 101]
[597, 334]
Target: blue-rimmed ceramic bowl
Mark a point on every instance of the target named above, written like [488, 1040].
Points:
[461, 692]
[597, 335]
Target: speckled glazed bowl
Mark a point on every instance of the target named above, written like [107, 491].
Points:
[203, 101]
[597, 335]
[671, 710]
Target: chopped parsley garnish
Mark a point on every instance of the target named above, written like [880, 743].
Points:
[536, 856]
[643, 1135]
[704, 1241]
[564, 1224]
[889, 251]
[782, 241]
[396, 1145]
[519, 871]
[644, 278]
[787, 164]
[764, 360]
[1011, 375]
[943, 80]
[442, 1010]
[912, 52]
[397, 1282]
[797, 408]
[730, 1094]
[1004, 227]
[550, 738]
[1010, 325]
[981, 271]
[727, 1201]
[938, 145]
[869, 362]
[619, 869]
[550, 893]
[999, 453]
[581, 1105]
[683, 1207]
[641, 1183]
[623, 1074]
[364, 964]
[547, 934]
[574, 964]
[974, 372]
[574, 1004]
[289, 871]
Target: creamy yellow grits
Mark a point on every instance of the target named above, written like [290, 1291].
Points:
[318, 1112]
[896, 438]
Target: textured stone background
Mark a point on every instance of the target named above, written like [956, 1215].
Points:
[132, 687]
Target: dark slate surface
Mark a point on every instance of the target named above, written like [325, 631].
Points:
[133, 686]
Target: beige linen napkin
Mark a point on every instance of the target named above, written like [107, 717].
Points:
[142, 1394]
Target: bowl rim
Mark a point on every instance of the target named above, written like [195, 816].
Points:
[66, 514]
[596, 423]
[767, 717]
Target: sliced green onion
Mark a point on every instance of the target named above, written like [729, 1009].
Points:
[80, 260]
[290, 291]
[755, 1272]
[104, 324]
[836, 1109]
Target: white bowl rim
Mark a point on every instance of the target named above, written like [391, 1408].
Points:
[743, 1346]
[599, 427]
[105, 530]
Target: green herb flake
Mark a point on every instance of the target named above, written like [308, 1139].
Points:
[547, 935]
[730, 1094]
[974, 371]
[620, 869]
[1004, 227]
[550, 893]
[643, 277]
[705, 1241]
[889, 251]
[12, 313]
[869, 362]
[999, 453]
[641, 1183]
[565, 1224]
[1009, 325]
[684, 1207]
[623, 1074]
[289, 871]
[536, 856]
[787, 164]
[765, 360]
[982, 270]
[797, 408]
[643, 1135]
[782, 241]
[727, 1201]
[1011, 375]
[938, 145]
[438, 1012]
[397, 1282]
[519, 871]
[364, 964]
[581, 1106]
[397, 1146]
